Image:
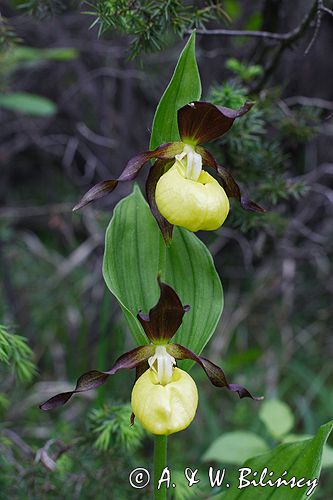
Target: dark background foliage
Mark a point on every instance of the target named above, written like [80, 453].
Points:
[274, 335]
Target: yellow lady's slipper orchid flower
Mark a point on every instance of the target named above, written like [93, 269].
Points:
[191, 201]
[164, 398]
[179, 192]
[165, 409]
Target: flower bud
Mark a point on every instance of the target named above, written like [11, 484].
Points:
[193, 204]
[165, 409]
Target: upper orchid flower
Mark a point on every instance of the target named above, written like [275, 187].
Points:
[179, 191]
[164, 398]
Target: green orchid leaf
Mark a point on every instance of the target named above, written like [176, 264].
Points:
[327, 451]
[28, 104]
[184, 87]
[235, 448]
[134, 255]
[301, 460]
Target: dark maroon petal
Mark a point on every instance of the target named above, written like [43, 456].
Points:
[233, 191]
[96, 192]
[156, 171]
[214, 372]
[142, 367]
[165, 151]
[228, 182]
[201, 122]
[164, 319]
[87, 381]
[243, 393]
[250, 205]
[95, 378]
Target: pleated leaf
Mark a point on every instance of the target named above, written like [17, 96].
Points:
[134, 255]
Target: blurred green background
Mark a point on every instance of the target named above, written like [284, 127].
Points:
[75, 105]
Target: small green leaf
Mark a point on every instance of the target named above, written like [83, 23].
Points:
[300, 460]
[235, 448]
[134, 255]
[277, 417]
[184, 87]
[60, 54]
[23, 54]
[28, 104]
[14, 351]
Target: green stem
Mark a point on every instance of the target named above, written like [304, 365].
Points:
[160, 462]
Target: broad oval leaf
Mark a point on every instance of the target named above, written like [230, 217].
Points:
[300, 460]
[277, 417]
[235, 448]
[184, 87]
[134, 255]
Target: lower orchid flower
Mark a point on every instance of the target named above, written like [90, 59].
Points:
[164, 397]
[179, 191]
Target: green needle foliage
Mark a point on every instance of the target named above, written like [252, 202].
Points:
[111, 425]
[244, 72]
[8, 37]
[257, 150]
[148, 21]
[15, 352]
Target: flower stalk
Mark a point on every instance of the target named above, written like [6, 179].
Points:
[160, 462]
